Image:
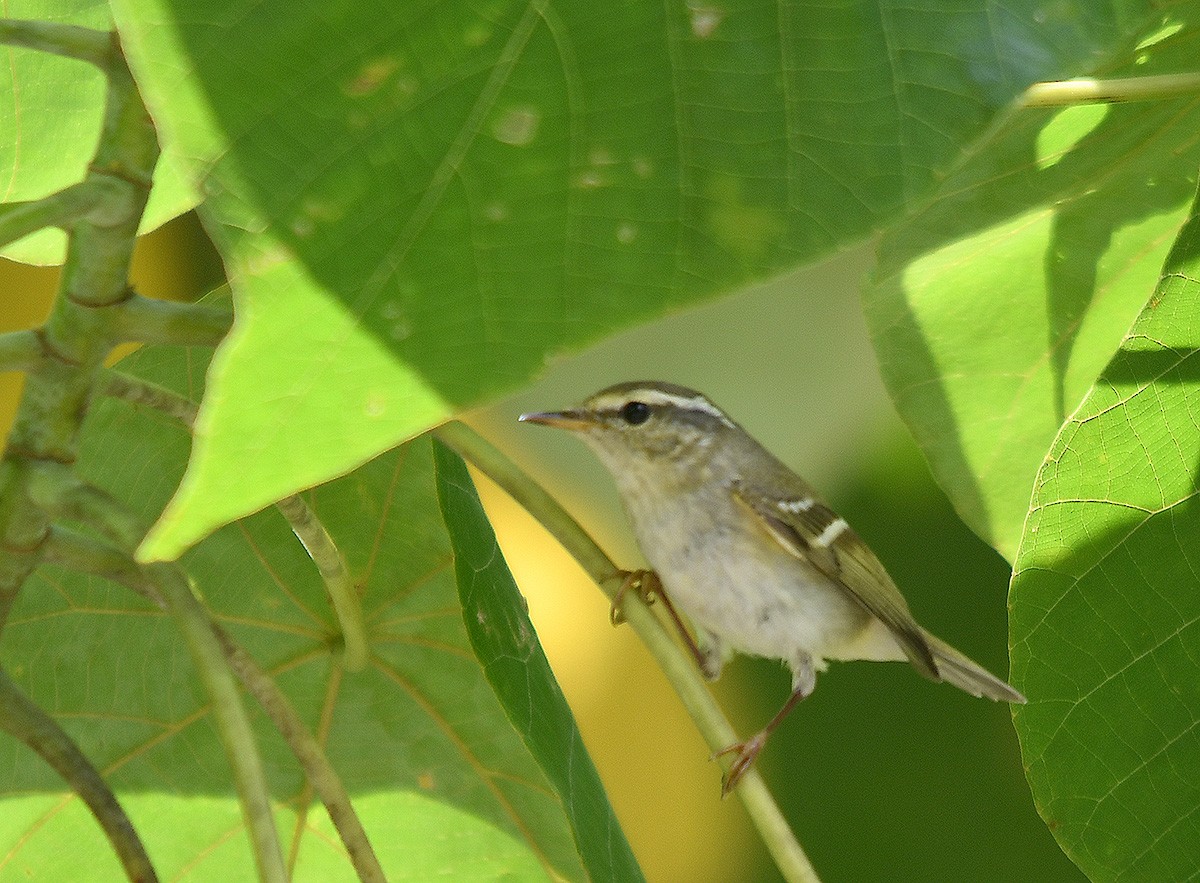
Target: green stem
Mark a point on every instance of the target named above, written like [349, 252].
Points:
[71, 41]
[24, 720]
[56, 491]
[85, 554]
[80, 552]
[142, 392]
[229, 714]
[145, 320]
[1062, 93]
[19, 351]
[317, 768]
[19, 219]
[678, 667]
[343, 594]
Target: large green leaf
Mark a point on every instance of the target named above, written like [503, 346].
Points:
[417, 204]
[1106, 603]
[50, 114]
[441, 779]
[505, 643]
[995, 308]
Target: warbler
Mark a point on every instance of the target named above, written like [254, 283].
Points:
[748, 551]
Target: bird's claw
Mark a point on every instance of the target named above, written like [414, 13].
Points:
[643, 582]
[746, 753]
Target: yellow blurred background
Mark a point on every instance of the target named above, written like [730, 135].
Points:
[884, 775]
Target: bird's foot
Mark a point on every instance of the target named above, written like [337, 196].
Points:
[746, 753]
[644, 582]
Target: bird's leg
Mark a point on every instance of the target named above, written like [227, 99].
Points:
[650, 588]
[804, 678]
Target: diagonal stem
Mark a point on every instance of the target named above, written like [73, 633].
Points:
[22, 719]
[683, 675]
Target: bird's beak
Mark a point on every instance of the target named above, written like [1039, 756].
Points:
[575, 419]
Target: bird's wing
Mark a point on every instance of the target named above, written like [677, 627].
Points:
[812, 532]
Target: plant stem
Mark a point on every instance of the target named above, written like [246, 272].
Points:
[24, 720]
[317, 769]
[1061, 93]
[145, 320]
[88, 555]
[229, 714]
[19, 350]
[19, 219]
[72, 41]
[678, 667]
[56, 490]
[142, 392]
[343, 594]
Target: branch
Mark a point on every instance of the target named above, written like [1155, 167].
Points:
[343, 594]
[56, 491]
[19, 351]
[678, 667]
[24, 720]
[317, 769]
[61, 209]
[146, 320]
[1062, 93]
[71, 41]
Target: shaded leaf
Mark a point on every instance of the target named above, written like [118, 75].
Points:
[443, 783]
[507, 646]
[419, 211]
[1106, 603]
[994, 309]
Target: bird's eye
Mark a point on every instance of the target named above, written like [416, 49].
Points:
[635, 413]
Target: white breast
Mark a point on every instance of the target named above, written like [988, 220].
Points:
[739, 584]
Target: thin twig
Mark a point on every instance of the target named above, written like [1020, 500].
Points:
[71, 41]
[88, 555]
[317, 769]
[22, 719]
[1062, 93]
[57, 491]
[678, 667]
[146, 320]
[343, 593]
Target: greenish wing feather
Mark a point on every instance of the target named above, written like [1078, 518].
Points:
[797, 521]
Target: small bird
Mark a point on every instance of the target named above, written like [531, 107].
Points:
[748, 551]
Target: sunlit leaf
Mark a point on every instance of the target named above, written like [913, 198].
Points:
[1106, 603]
[996, 307]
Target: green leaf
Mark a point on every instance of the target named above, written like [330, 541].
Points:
[507, 646]
[51, 109]
[994, 309]
[1106, 603]
[443, 783]
[418, 205]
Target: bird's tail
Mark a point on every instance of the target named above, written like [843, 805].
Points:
[957, 669]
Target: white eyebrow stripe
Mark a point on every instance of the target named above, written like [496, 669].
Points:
[835, 529]
[658, 397]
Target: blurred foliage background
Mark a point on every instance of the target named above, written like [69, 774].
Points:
[883, 775]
